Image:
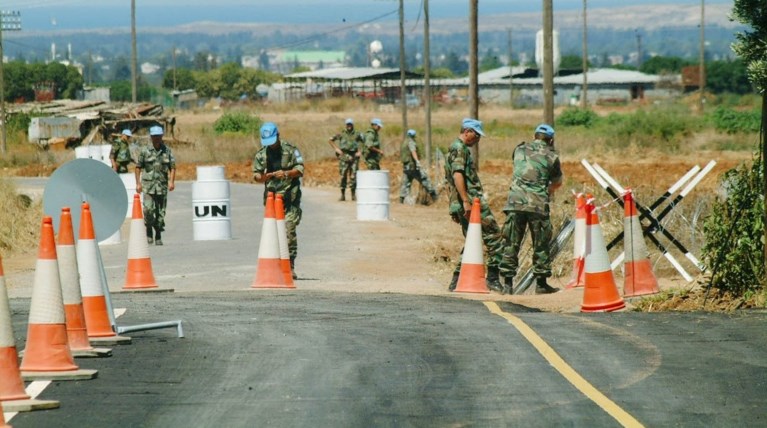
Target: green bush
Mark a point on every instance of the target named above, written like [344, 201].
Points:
[237, 123]
[733, 121]
[734, 232]
[578, 117]
[647, 128]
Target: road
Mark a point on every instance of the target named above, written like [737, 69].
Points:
[359, 343]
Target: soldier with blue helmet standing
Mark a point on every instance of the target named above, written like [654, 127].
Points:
[280, 166]
[158, 164]
[348, 153]
[463, 181]
[371, 149]
[410, 154]
[537, 175]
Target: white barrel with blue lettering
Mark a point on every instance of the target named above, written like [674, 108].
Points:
[211, 208]
[373, 195]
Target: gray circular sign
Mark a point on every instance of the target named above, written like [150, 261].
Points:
[87, 180]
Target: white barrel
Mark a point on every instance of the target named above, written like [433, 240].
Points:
[129, 181]
[99, 152]
[82, 152]
[211, 209]
[373, 195]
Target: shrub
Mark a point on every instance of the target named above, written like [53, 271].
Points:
[734, 231]
[733, 121]
[578, 117]
[237, 123]
[647, 128]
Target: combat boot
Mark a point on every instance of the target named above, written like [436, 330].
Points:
[401, 200]
[149, 235]
[454, 281]
[343, 195]
[354, 194]
[433, 195]
[293, 268]
[508, 285]
[493, 280]
[541, 287]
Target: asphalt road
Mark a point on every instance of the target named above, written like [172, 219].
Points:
[322, 356]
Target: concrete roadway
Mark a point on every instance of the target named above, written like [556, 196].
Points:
[322, 356]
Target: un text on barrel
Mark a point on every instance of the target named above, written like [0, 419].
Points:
[373, 195]
[211, 208]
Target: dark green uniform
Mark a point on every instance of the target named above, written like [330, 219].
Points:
[372, 158]
[412, 169]
[121, 154]
[348, 162]
[459, 159]
[285, 159]
[536, 167]
[155, 165]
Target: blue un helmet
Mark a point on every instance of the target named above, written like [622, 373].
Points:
[269, 134]
[545, 129]
[411, 132]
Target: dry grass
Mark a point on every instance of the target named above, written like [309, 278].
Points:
[20, 223]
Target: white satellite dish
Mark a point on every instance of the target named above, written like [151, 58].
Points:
[375, 63]
[376, 46]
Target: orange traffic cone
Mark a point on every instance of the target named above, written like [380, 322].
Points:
[139, 272]
[97, 320]
[579, 241]
[600, 293]
[639, 278]
[269, 271]
[282, 238]
[47, 344]
[472, 276]
[11, 384]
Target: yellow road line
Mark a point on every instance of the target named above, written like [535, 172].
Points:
[620, 415]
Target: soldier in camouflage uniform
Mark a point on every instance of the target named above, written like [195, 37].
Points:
[464, 185]
[410, 154]
[280, 166]
[348, 154]
[371, 150]
[159, 177]
[537, 174]
[120, 154]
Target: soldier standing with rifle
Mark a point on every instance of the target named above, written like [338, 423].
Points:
[410, 154]
[348, 154]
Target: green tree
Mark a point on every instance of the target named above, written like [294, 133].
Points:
[663, 64]
[728, 76]
[490, 61]
[458, 66]
[572, 62]
[184, 79]
[121, 69]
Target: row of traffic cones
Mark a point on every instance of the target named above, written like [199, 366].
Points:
[68, 309]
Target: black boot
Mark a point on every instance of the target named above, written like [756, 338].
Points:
[493, 280]
[541, 287]
[354, 195]
[401, 200]
[508, 285]
[157, 237]
[149, 235]
[293, 268]
[454, 281]
[433, 195]
[343, 195]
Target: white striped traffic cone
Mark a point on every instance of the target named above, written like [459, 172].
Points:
[11, 384]
[579, 242]
[600, 293]
[282, 238]
[472, 276]
[269, 272]
[138, 274]
[97, 319]
[70, 285]
[638, 278]
[47, 348]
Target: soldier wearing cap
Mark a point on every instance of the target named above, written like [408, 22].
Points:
[537, 174]
[280, 166]
[410, 154]
[120, 154]
[155, 177]
[371, 149]
[348, 153]
[463, 182]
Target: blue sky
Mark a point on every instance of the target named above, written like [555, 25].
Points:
[51, 15]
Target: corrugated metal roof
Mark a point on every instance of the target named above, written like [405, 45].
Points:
[351, 73]
[597, 76]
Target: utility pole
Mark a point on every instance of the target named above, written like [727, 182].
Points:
[511, 74]
[174, 68]
[585, 67]
[702, 68]
[426, 82]
[473, 66]
[402, 88]
[134, 55]
[639, 49]
[548, 62]
[9, 21]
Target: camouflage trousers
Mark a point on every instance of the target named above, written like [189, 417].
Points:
[514, 232]
[292, 220]
[491, 236]
[373, 164]
[414, 174]
[347, 168]
[154, 211]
